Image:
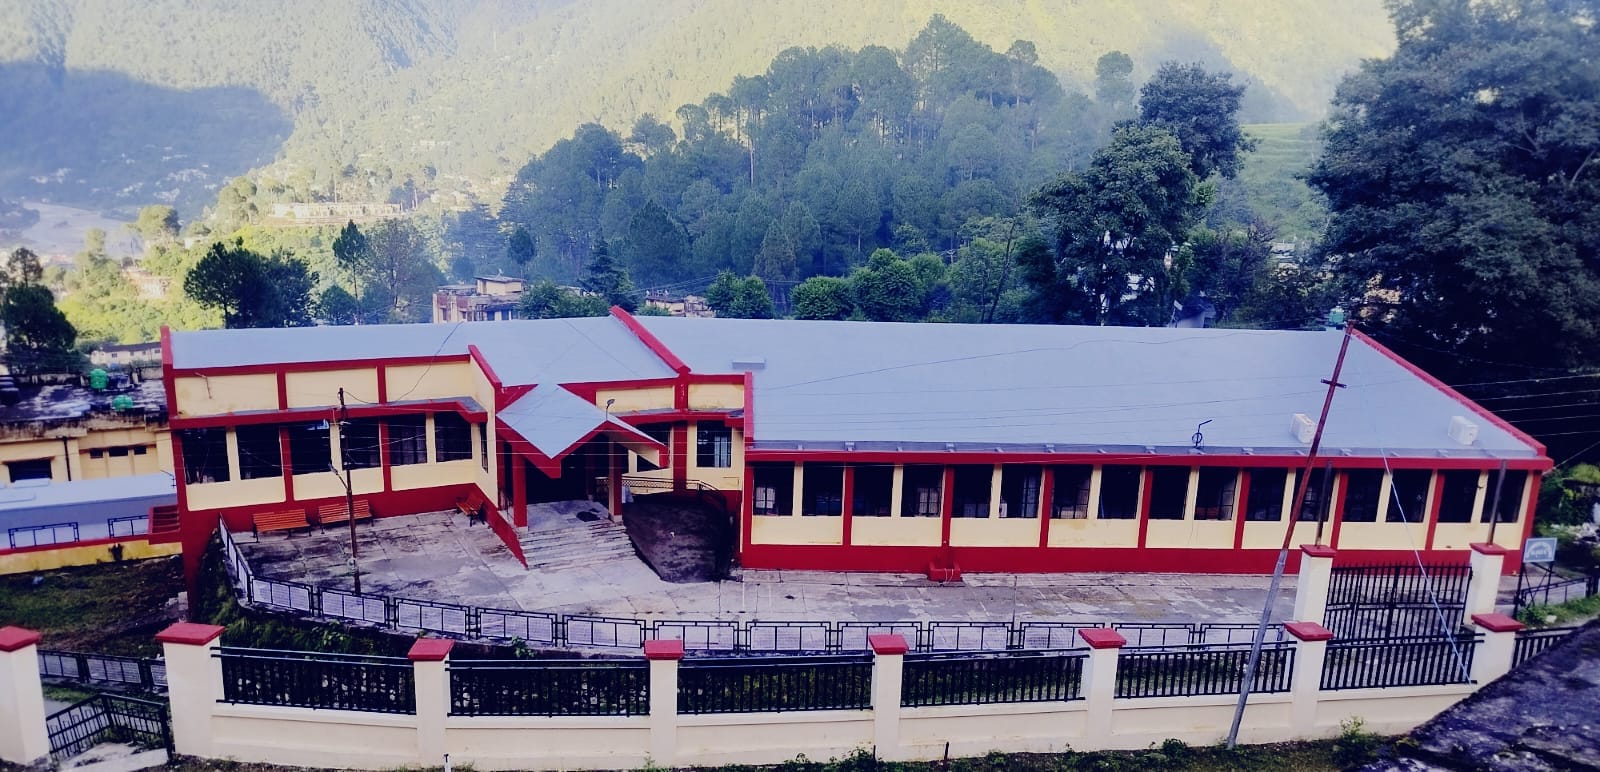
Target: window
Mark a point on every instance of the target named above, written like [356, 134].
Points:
[921, 488]
[309, 448]
[774, 489]
[1265, 501]
[139, 450]
[359, 444]
[117, 452]
[452, 437]
[97, 453]
[1363, 490]
[1214, 493]
[1510, 503]
[205, 456]
[661, 433]
[260, 452]
[713, 446]
[1408, 496]
[1315, 506]
[822, 490]
[483, 445]
[408, 440]
[872, 491]
[1019, 490]
[1070, 499]
[1459, 495]
[1119, 492]
[1169, 492]
[971, 496]
[39, 468]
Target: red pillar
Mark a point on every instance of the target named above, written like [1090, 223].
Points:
[680, 456]
[847, 506]
[1047, 493]
[617, 461]
[946, 505]
[1147, 479]
[519, 490]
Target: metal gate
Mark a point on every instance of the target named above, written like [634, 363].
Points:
[1376, 601]
[108, 718]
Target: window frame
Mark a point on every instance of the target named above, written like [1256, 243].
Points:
[713, 445]
[214, 440]
[256, 460]
[408, 440]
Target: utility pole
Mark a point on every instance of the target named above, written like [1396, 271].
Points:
[1288, 536]
[349, 491]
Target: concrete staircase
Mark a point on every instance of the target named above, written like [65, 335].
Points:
[557, 538]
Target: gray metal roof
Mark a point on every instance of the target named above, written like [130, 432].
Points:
[1079, 388]
[553, 419]
[89, 503]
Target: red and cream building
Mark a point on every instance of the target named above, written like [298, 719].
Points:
[858, 445]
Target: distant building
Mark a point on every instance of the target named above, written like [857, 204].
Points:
[150, 286]
[127, 355]
[679, 305]
[488, 298]
[335, 212]
[65, 432]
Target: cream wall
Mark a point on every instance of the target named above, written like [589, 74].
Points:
[716, 396]
[797, 529]
[896, 531]
[440, 380]
[320, 388]
[67, 556]
[633, 400]
[199, 395]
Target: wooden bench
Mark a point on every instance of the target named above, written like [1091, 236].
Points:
[287, 520]
[474, 507]
[328, 514]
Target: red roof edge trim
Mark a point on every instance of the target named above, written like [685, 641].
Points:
[483, 364]
[1450, 392]
[650, 341]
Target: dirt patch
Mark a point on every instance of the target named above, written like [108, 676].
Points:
[110, 608]
[680, 536]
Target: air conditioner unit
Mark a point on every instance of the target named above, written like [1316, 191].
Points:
[1463, 431]
[1302, 427]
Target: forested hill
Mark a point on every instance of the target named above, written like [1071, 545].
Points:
[459, 93]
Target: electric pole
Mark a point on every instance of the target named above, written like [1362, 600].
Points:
[349, 491]
[1288, 536]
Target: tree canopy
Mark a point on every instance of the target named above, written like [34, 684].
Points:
[1463, 179]
[39, 339]
[250, 289]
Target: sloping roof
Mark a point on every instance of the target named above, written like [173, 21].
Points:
[1076, 387]
[553, 420]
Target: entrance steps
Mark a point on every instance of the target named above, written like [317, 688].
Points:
[562, 535]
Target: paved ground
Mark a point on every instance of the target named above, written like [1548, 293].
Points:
[438, 556]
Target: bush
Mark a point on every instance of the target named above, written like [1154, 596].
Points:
[1355, 745]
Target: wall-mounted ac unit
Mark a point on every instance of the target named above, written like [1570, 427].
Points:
[1302, 427]
[1463, 431]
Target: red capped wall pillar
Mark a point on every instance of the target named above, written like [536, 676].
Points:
[519, 491]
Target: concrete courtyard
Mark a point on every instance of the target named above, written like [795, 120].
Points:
[439, 557]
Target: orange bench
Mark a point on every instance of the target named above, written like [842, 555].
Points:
[328, 514]
[287, 520]
[473, 506]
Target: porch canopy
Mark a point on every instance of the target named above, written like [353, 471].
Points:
[550, 422]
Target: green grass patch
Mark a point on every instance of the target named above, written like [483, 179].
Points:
[1556, 614]
[110, 608]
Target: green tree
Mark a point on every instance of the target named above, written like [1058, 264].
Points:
[1112, 226]
[821, 297]
[38, 337]
[545, 300]
[1463, 178]
[252, 290]
[336, 306]
[157, 224]
[354, 255]
[656, 248]
[1201, 109]
[1113, 80]
[732, 297]
[608, 280]
[520, 248]
[887, 289]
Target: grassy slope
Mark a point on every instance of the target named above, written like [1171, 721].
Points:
[107, 609]
[1269, 178]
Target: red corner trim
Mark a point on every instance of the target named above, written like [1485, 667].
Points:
[749, 407]
[650, 341]
[1497, 623]
[1308, 631]
[888, 643]
[1450, 392]
[430, 650]
[1103, 638]
[483, 364]
[190, 633]
[664, 650]
[13, 638]
[166, 346]
[1318, 551]
[1484, 548]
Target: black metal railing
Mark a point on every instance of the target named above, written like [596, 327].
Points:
[770, 684]
[1205, 669]
[1398, 583]
[39, 535]
[1556, 593]
[141, 673]
[983, 678]
[549, 688]
[1531, 643]
[107, 718]
[1399, 661]
[135, 525]
[317, 680]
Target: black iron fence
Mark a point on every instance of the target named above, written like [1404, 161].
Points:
[1367, 601]
[770, 684]
[141, 673]
[317, 680]
[108, 718]
[1531, 643]
[1556, 593]
[40, 535]
[978, 679]
[1399, 661]
[549, 688]
[1198, 670]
